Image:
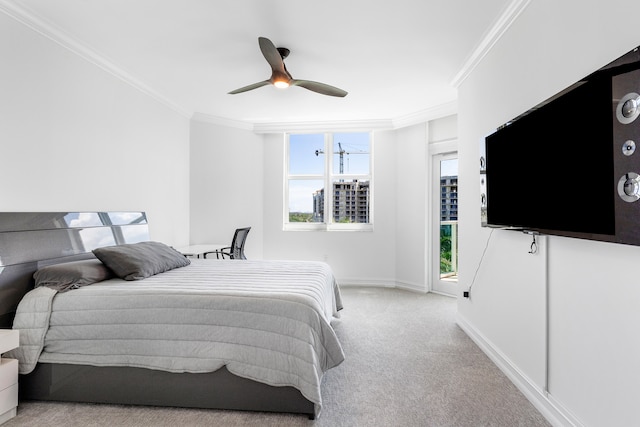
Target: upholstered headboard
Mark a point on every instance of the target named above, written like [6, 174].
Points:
[30, 240]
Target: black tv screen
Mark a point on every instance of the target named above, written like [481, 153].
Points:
[552, 167]
[570, 166]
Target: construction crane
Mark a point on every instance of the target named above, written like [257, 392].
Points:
[341, 152]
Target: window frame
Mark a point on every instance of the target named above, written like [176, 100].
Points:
[328, 178]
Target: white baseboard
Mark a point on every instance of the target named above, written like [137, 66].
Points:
[544, 402]
[414, 287]
[374, 283]
[377, 283]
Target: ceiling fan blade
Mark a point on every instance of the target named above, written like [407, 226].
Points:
[250, 87]
[322, 88]
[271, 54]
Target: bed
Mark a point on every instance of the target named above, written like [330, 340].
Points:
[224, 334]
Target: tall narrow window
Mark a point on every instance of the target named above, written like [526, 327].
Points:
[328, 183]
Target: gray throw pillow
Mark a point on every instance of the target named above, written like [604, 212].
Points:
[72, 275]
[140, 260]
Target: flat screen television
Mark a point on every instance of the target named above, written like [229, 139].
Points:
[565, 166]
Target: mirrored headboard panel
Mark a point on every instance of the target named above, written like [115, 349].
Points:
[29, 240]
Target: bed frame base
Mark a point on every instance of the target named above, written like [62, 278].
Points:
[139, 386]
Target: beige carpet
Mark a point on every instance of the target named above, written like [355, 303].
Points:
[407, 364]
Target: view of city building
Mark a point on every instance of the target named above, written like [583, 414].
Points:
[449, 198]
[350, 202]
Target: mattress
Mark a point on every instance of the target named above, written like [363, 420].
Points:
[269, 321]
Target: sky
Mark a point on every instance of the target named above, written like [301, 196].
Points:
[449, 167]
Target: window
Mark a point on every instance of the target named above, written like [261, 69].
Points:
[328, 182]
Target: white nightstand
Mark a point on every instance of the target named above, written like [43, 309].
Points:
[9, 339]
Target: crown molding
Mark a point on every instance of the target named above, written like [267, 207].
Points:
[57, 35]
[423, 116]
[443, 110]
[313, 126]
[506, 19]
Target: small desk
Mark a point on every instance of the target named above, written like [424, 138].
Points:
[199, 250]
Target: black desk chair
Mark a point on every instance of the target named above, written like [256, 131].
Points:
[236, 250]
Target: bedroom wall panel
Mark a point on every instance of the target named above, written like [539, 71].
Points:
[226, 185]
[411, 190]
[585, 352]
[443, 129]
[76, 138]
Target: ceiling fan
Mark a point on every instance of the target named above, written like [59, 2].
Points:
[281, 78]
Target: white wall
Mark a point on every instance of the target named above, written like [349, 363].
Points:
[443, 130]
[75, 138]
[411, 191]
[226, 185]
[591, 367]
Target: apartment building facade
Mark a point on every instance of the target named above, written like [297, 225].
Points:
[351, 200]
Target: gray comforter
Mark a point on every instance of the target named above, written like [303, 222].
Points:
[264, 320]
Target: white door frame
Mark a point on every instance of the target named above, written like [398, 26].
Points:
[438, 152]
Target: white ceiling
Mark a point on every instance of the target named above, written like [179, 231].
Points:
[395, 58]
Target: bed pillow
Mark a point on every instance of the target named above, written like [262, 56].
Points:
[137, 261]
[72, 275]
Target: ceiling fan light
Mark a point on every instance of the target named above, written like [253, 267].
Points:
[281, 84]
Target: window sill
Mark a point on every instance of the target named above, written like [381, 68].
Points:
[327, 227]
